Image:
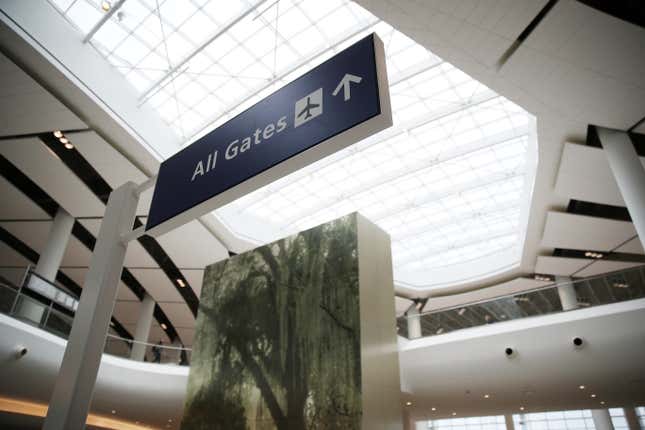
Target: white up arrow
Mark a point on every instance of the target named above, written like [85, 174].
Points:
[344, 83]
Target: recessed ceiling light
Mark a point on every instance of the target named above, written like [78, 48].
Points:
[169, 420]
[521, 408]
[462, 311]
[602, 402]
[106, 5]
[434, 409]
[487, 396]
[582, 387]
[68, 145]
[63, 140]
[113, 412]
[58, 134]
[454, 413]
[164, 326]
[408, 403]
[593, 396]
[181, 282]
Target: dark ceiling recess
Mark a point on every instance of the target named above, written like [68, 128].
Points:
[28, 187]
[599, 210]
[637, 139]
[31, 255]
[95, 182]
[628, 10]
[606, 255]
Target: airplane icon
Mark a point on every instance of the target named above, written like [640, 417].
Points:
[308, 107]
[307, 110]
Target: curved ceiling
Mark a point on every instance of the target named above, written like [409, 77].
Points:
[448, 181]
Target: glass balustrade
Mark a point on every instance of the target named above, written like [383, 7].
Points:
[51, 308]
[598, 290]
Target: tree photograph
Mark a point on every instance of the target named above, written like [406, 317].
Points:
[277, 344]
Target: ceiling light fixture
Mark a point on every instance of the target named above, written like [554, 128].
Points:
[106, 5]
[164, 326]
[582, 387]
[433, 409]
[58, 134]
[620, 285]
[543, 278]
[68, 145]
[408, 403]
[181, 282]
[593, 396]
[487, 396]
[439, 330]
[602, 402]
[521, 408]
[592, 254]
[461, 311]
[113, 412]
[63, 139]
[454, 413]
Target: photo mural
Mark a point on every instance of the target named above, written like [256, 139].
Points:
[278, 342]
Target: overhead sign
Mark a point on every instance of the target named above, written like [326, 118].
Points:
[336, 104]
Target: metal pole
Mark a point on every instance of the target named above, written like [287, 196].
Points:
[72, 396]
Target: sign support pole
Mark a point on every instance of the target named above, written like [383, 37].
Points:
[72, 396]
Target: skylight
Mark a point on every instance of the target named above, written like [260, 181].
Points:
[447, 181]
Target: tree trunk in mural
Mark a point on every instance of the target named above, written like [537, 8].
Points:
[283, 320]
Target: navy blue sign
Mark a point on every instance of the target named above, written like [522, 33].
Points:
[333, 97]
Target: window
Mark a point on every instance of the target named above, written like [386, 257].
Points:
[559, 420]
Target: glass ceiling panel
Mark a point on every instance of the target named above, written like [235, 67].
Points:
[447, 181]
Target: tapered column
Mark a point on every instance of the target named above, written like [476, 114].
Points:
[52, 255]
[602, 419]
[629, 173]
[414, 323]
[48, 265]
[74, 387]
[567, 293]
[142, 332]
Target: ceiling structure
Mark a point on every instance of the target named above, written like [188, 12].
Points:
[33, 112]
[447, 182]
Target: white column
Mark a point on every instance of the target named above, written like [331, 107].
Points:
[51, 257]
[632, 419]
[508, 420]
[48, 264]
[629, 174]
[567, 293]
[414, 323]
[602, 419]
[74, 387]
[142, 332]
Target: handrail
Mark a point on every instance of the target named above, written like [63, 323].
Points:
[612, 287]
[532, 290]
[32, 307]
